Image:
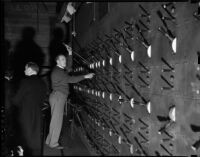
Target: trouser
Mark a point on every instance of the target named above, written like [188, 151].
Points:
[57, 102]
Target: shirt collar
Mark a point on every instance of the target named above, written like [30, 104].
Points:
[60, 67]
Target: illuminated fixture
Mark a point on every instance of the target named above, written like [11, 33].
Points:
[70, 10]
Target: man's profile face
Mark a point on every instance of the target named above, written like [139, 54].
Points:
[62, 61]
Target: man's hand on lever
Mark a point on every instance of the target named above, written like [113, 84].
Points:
[89, 76]
[69, 49]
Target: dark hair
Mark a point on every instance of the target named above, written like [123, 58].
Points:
[33, 66]
[60, 54]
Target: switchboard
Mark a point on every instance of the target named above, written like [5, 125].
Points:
[145, 96]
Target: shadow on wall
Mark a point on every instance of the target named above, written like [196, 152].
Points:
[25, 51]
[56, 47]
[8, 55]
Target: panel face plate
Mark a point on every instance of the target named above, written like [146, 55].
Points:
[151, 104]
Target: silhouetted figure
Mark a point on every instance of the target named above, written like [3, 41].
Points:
[56, 45]
[29, 100]
[26, 50]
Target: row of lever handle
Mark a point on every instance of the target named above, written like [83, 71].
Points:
[95, 48]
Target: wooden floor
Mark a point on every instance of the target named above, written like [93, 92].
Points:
[73, 146]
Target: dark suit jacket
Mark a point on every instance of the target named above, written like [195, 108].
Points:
[29, 100]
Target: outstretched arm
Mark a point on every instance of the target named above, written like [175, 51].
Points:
[75, 79]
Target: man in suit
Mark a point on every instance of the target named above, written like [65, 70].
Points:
[29, 100]
[58, 97]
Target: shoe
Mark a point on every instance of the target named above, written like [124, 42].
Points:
[58, 147]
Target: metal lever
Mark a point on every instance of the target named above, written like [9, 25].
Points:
[106, 106]
[131, 101]
[113, 127]
[146, 84]
[196, 14]
[170, 36]
[127, 47]
[146, 69]
[145, 43]
[170, 85]
[128, 33]
[116, 80]
[123, 92]
[143, 151]
[99, 54]
[116, 121]
[145, 139]
[196, 145]
[163, 18]
[113, 85]
[163, 129]
[146, 125]
[167, 33]
[164, 6]
[117, 31]
[147, 29]
[118, 72]
[116, 112]
[146, 14]
[122, 130]
[127, 128]
[157, 153]
[170, 67]
[130, 119]
[116, 51]
[105, 123]
[129, 71]
[137, 92]
[104, 43]
[105, 87]
[166, 149]
[116, 91]
[106, 116]
[130, 26]
[115, 38]
[107, 52]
